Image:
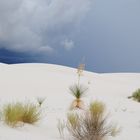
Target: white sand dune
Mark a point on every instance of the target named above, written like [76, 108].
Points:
[28, 81]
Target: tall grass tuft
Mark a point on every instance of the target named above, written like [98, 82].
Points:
[92, 124]
[97, 109]
[31, 113]
[72, 120]
[14, 113]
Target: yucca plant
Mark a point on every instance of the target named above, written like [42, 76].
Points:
[40, 100]
[15, 113]
[78, 91]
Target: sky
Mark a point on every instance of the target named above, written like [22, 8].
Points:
[103, 34]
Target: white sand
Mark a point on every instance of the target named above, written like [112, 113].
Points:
[28, 81]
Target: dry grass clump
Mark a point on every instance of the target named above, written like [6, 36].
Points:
[91, 125]
[136, 95]
[12, 113]
[78, 91]
[31, 113]
[97, 109]
[15, 113]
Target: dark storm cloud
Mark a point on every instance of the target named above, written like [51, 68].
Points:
[107, 35]
[25, 24]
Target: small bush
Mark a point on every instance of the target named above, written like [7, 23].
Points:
[14, 113]
[136, 95]
[91, 125]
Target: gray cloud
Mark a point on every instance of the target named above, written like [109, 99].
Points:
[24, 24]
[68, 44]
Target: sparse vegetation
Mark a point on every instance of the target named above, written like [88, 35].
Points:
[14, 113]
[40, 100]
[92, 124]
[78, 91]
[136, 95]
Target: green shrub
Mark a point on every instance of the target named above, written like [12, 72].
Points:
[93, 124]
[14, 113]
[136, 95]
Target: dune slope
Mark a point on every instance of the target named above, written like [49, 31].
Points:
[28, 81]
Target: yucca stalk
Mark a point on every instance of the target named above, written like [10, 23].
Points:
[80, 70]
